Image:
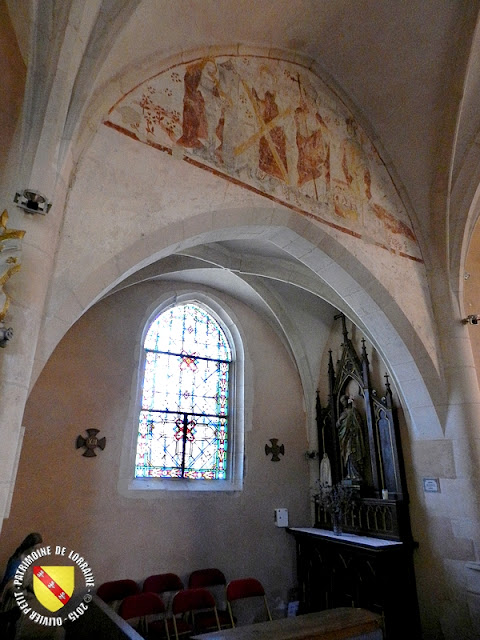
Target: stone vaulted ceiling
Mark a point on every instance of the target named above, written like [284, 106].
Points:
[400, 65]
[408, 70]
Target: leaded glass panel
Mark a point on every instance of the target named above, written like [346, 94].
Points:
[183, 423]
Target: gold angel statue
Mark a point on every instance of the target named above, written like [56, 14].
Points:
[10, 250]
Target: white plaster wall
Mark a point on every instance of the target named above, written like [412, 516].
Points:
[134, 204]
[74, 500]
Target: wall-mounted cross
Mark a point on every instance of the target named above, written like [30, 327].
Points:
[91, 442]
[276, 450]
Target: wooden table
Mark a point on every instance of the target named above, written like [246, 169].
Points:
[332, 624]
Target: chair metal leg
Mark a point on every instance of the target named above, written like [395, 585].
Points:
[267, 609]
[229, 607]
[175, 627]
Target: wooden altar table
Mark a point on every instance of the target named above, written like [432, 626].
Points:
[332, 624]
[348, 569]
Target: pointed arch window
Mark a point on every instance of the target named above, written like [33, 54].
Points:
[184, 423]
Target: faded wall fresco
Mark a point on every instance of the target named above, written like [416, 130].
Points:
[272, 127]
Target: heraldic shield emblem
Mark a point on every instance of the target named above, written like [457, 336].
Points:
[53, 586]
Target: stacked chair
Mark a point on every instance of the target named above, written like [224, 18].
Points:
[243, 588]
[188, 607]
[140, 609]
[165, 610]
[115, 591]
[165, 585]
[213, 580]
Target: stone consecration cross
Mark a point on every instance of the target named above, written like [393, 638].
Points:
[275, 449]
[91, 442]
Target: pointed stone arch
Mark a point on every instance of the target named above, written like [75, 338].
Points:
[331, 272]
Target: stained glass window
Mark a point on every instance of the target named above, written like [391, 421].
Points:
[183, 424]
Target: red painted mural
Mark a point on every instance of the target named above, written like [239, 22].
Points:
[272, 127]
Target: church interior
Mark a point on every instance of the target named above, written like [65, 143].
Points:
[306, 170]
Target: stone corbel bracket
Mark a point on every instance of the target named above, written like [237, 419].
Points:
[10, 253]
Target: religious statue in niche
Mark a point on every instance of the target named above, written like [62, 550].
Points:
[352, 444]
[359, 436]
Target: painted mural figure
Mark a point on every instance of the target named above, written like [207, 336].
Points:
[194, 122]
[312, 146]
[269, 126]
[238, 150]
[214, 101]
[350, 435]
[355, 163]
[353, 190]
[273, 144]
[203, 111]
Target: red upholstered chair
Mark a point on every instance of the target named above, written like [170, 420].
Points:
[162, 582]
[242, 588]
[214, 580]
[145, 606]
[186, 605]
[206, 578]
[166, 585]
[115, 591]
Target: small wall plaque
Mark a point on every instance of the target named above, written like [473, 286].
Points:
[431, 485]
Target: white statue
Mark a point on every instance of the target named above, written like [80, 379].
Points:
[325, 471]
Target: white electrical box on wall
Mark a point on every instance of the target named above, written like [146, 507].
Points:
[281, 517]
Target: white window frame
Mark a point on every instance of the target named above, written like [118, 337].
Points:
[144, 487]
